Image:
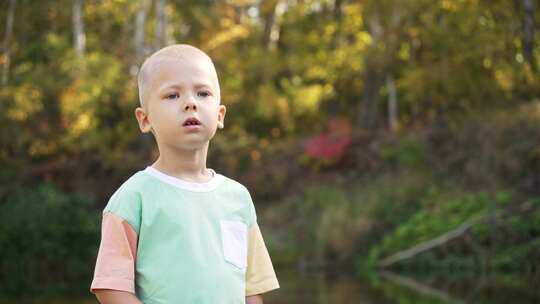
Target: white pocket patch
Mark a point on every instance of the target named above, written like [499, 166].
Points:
[234, 236]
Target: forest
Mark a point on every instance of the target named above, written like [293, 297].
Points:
[375, 136]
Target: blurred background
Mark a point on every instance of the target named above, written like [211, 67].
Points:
[392, 148]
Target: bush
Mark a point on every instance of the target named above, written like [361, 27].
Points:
[408, 151]
[441, 215]
[49, 241]
[335, 224]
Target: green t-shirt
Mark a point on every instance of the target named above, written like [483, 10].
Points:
[192, 237]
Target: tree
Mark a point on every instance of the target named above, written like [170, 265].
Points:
[8, 36]
[161, 24]
[140, 22]
[528, 32]
[79, 37]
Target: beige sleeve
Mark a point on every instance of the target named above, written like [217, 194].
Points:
[260, 274]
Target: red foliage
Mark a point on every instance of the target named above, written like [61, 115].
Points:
[331, 145]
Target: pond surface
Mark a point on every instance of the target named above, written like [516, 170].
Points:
[379, 288]
[386, 287]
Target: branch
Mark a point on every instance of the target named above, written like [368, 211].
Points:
[433, 243]
[421, 288]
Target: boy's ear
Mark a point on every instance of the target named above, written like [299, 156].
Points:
[142, 119]
[221, 116]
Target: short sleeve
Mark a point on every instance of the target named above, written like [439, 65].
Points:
[126, 204]
[252, 213]
[260, 274]
[115, 265]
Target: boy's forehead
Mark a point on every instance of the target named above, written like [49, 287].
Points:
[167, 67]
[184, 57]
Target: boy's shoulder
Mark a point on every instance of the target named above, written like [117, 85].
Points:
[234, 184]
[126, 201]
[134, 181]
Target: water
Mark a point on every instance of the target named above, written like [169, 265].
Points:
[380, 288]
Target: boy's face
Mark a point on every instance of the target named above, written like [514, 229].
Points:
[182, 105]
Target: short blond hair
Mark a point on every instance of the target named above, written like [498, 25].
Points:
[175, 51]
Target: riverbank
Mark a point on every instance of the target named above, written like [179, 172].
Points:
[463, 198]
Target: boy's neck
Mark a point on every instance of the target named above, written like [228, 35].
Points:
[189, 165]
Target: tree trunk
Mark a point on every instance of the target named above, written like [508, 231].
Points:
[338, 10]
[272, 12]
[161, 25]
[528, 33]
[7, 41]
[140, 22]
[370, 98]
[140, 53]
[337, 39]
[372, 81]
[392, 103]
[79, 37]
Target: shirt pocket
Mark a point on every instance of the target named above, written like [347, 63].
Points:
[234, 238]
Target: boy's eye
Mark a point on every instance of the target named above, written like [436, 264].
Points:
[172, 96]
[203, 94]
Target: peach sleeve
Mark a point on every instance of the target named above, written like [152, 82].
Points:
[260, 274]
[115, 265]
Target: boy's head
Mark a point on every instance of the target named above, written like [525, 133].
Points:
[179, 97]
[172, 52]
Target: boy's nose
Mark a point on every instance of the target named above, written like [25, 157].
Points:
[190, 104]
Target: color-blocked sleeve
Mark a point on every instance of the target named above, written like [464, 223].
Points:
[252, 216]
[260, 274]
[115, 265]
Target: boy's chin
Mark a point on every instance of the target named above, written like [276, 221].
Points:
[191, 145]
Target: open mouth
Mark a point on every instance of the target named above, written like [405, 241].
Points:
[191, 122]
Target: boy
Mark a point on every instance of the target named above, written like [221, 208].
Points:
[178, 232]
